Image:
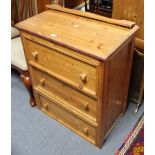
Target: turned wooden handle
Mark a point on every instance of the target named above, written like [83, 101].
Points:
[86, 131]
[35, 55]
[86, 106]
[45, 106]
[42, 81]
[83, 77]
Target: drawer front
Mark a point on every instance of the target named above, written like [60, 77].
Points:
[75, 72]
[64, 93]
[68, 119]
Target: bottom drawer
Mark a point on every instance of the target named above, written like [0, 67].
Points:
[68, 119]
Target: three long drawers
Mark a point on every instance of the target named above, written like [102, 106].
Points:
[80, 66]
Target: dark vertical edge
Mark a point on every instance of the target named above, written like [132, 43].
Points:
[127, 74]
[101, 104]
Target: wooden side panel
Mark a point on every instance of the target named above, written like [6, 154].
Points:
[116, 87]
[117, 68]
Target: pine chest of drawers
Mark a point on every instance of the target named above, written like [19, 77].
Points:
[79, 65]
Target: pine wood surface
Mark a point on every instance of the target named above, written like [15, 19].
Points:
[132, 10]
[82, 86]
[64, 93]
[71, 121]
[66, 29]
[57, 60]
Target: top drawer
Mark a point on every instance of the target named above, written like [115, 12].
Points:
[63, 64]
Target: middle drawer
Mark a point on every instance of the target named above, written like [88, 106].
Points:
[64, 93]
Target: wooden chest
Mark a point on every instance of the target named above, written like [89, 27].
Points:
[79, 64]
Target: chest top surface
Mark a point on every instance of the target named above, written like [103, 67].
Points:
[91, 34]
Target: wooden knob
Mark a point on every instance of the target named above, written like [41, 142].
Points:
[35, 55]
[45, 106]
[86, 106]
[86, 131]
[83, 77]
[42, 81]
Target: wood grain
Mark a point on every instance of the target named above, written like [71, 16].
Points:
[68, 119]
[65, 94]
[57, 60]
[104, 40]
[80, 80]
[132, 10]
[92, 16]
